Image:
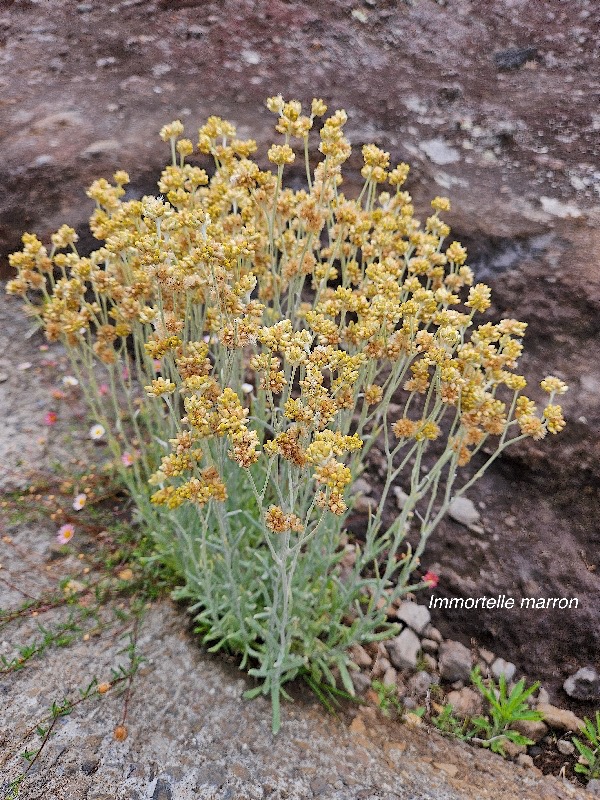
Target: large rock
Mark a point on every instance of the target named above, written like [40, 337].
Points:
[404, 649]
[414, 615]
[454, 661]
[584, 684]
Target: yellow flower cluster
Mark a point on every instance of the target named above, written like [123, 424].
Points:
[326, 305]
[160, 386]
[278, 522]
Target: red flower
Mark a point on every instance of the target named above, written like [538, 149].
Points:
[431, 579]
[50, 418]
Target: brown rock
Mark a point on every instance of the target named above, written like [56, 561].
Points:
[525, 761]
[466, 702]
[390, 677]
[560, 718]
[360, 656]
[513, 750]
[432, 632]
[531, 729]
[358, 726]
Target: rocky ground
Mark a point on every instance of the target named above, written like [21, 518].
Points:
[492, 104]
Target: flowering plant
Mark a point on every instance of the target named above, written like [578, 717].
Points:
[250, 343]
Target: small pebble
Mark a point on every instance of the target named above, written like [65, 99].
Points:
[565, 747]
[500, 667]
[361, 486]
[430, 662]
[419, 683]
[414, 615]
[363, 504]
[400, 496]
[455, 662]
[543, 696]
[404, 649]
[360, 681]
[463, 510]
[432, 633]
[584, 684]
[360, 656]
[390, 677]
[524, 760]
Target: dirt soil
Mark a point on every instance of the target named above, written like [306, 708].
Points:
[493, 104]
